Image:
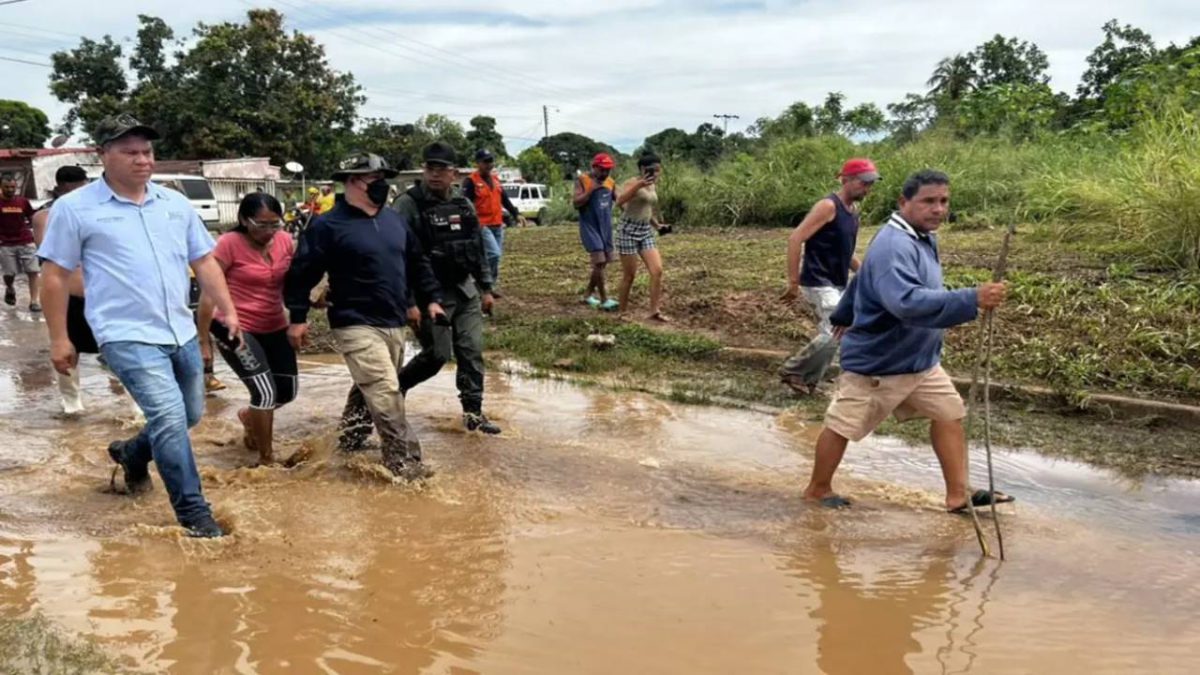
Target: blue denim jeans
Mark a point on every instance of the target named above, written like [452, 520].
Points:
[493, 247]
[167, 382]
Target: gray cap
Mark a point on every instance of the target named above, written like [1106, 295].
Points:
[363, 162]
[111, 128]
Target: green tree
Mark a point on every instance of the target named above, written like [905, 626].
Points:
[670, 143]
[829, 116]
[537, 167]
[1173, 80]
[706, 145]
[235, 89]
[865, 118]
[483, 135]
[22, 125]
[1011, 110]
[797, 121]
[1124, 49]
[91, 79]
[437, 127]
[953, 78]
[910, 117]
[396, 143]
[574, 152]
[1004, 60]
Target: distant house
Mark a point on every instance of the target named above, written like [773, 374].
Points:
[34, 168]
[229, 179]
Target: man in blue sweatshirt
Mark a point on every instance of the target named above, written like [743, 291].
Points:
[373, 260]
[891, 320]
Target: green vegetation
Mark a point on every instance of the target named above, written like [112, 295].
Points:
[23, 125]
[1081, 316]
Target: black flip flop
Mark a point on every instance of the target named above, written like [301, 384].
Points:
[982, 498]
[835, 502]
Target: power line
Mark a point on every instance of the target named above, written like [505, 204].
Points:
[399, 39]
[30, 63]
[11, 2]
[40, 30]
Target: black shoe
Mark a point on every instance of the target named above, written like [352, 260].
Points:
[408, 468]
[137, 478]
[480, 422]
[10, 295]
[34, 307]
[204, 527]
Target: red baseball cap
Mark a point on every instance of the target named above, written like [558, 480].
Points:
[860, 168]
[603, 161]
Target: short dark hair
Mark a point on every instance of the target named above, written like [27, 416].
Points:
[6, 176]
[254, 202]
[648, 159]
[918, 180]
[70, 174]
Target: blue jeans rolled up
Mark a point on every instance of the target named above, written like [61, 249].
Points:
[167, 382]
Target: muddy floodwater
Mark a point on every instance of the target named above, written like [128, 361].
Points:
[602, 533]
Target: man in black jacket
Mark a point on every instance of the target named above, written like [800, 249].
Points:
[375, 266]
[450, 234]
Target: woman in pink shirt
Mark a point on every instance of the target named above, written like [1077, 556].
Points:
[255, 256]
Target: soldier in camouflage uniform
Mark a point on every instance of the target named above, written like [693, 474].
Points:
[451, 236]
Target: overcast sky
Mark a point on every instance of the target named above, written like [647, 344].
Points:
[616, 70]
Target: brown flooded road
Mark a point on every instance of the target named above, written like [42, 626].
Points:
[602, 533]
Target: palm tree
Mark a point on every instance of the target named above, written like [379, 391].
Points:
[953, 77]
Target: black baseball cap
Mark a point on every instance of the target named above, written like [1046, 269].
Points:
[70, 174]
[484, 155]
[363, 162]
[111, 128]
[439, 152]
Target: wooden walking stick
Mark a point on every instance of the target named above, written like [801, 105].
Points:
[984, 363]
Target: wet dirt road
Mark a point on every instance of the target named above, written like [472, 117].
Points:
[602, 533]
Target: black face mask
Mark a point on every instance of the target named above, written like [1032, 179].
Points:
[377, 191]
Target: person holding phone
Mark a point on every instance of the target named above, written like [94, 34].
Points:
[255, 257]
[636, 233]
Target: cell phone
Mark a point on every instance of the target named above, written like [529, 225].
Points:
[442, 320]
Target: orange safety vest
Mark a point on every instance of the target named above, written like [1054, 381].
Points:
[488, 204]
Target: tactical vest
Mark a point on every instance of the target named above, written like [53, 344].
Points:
[450, 235]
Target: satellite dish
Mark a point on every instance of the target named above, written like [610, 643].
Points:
[294, 167]
[59, 141]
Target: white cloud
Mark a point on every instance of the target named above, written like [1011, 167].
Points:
[623, 69]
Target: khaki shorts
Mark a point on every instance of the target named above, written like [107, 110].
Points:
[20, 259]
[863, 402]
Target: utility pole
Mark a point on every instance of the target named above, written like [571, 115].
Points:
[725, 122]
[546, 119]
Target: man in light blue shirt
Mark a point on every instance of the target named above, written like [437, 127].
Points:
[135, 241]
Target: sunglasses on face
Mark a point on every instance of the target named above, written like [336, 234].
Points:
[273, 225]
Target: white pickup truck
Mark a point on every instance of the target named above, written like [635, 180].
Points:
[531, 199]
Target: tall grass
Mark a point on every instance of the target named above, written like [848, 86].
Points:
[1142, 189]
[1149, 195]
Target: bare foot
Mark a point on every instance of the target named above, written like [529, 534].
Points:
[660, 317]
[247, 437]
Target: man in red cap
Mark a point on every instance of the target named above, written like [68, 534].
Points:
[595, 194]
[827, 236]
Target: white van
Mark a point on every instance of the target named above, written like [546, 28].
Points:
[198, 192]
[531, 199]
